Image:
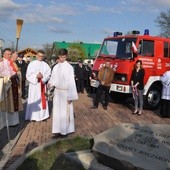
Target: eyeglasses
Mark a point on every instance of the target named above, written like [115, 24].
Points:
[40, 55]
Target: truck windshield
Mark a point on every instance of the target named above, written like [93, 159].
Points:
[118, 48]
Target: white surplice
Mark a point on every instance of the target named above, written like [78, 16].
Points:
[34, 110]
[65, 89]
[165, 79]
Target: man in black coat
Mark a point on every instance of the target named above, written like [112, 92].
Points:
[80, 74]
[22, 65]
[88, 77]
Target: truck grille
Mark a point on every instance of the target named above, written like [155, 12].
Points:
[120, 77]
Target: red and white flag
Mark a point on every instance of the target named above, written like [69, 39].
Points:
[134, 48]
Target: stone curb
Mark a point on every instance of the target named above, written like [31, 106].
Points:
[21, 159]
[8, 148]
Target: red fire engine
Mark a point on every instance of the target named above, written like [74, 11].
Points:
[123, 51]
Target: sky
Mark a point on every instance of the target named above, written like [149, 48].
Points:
[88, 21]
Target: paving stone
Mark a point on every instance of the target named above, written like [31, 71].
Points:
[88, 123]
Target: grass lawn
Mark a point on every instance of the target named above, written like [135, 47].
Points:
[52, 157]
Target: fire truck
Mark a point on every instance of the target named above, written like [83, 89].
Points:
[123, 51]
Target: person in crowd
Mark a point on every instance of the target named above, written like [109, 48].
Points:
[137, 84]
[105, 77]
[10, 99]
[50, 91]
[22, 65]
[56, 62]
[27, 60]
[80, 76]
[46, 60]
[13, 60]
[65, 92]
[69, 60]
[88, 77]
[38, 73]
[165, 102]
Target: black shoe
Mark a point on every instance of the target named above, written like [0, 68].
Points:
[56, 136]
[63, 136]
[105, 107]
[94, 107]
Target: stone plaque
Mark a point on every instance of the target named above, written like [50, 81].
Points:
[134, 146]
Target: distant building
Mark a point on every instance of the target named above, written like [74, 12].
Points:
[28, 54]
[89, 48]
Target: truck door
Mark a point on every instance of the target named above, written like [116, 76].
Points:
[152, 90]
[166, 56]
[147, 55]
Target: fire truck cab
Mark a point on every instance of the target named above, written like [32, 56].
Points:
[123, 51]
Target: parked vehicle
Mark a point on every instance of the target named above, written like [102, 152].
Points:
[123, 51]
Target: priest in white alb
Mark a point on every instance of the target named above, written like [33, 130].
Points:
[38, 73]
[65, 92]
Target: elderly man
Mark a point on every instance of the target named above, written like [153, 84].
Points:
[10, 101]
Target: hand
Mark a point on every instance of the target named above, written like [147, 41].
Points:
[135, 85]
[102, 83]
[39, 75]
[48, 85]
[69, 101]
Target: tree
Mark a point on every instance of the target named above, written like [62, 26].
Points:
[55, 51]
[76, 52]
[163, 21]
[47, 48]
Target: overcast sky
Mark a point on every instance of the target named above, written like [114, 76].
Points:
[89, 21]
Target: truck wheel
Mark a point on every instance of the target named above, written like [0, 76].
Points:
[118, 97]
[153, 98]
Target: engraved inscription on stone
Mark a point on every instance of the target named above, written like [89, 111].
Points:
[134, 145]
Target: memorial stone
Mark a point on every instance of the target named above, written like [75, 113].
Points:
[134, 146]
